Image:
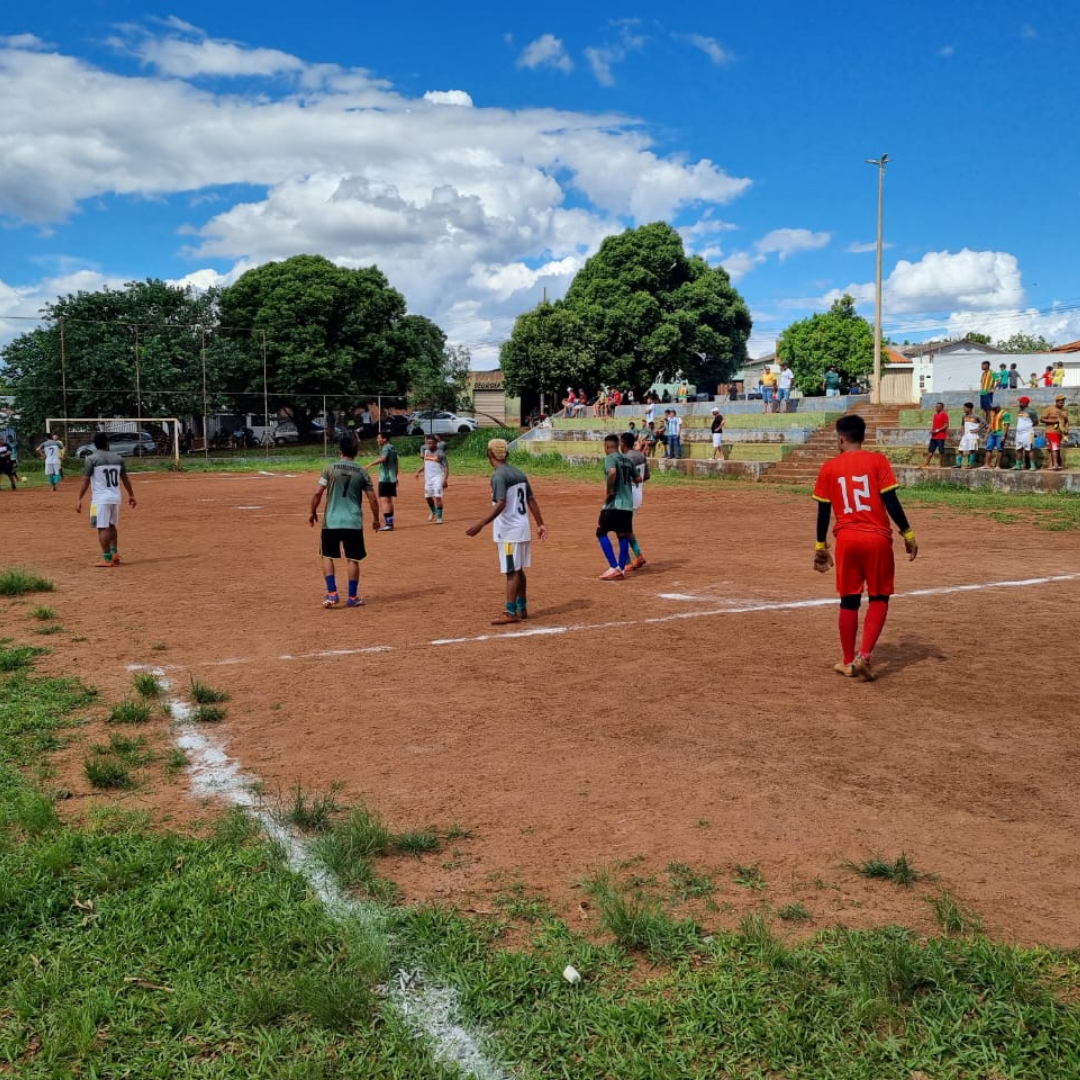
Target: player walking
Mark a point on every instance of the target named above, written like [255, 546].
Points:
[436, 470]
[617, 513]
[860, 487]
[388, 473]
[641, 471]
[511, 502]
[345, 483]
[103, 474]
[52, 450]
[7, 463]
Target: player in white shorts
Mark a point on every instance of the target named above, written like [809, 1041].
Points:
[1025, 435]
[52, 450]
[641, 471]
[970, 426]
[103, 473]
[512, 501]
[436, 470]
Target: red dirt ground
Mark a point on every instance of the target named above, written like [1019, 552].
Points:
[718, 739]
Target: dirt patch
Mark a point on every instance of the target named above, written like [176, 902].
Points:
[688, 714]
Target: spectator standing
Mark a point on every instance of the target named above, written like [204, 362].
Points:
[1025, 435]
[673, 430]
[832, 381]
[768, 388]
[1003, 377]
[1056, 421]
[717, 429]
[970, 425]
[1014, 377]
[784, 384]
[1033, 381]
[1000, 421]
[987, 385]
[939, 434]
[1058, 378]
[1048, 376]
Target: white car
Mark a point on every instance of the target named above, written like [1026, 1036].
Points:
[435, 422]
[124, 443]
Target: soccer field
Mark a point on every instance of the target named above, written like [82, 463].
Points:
[687, 715]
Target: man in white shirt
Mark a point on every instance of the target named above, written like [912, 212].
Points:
[783, 393]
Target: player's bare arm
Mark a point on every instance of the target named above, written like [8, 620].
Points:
[316, 499]
[534, 509]
[496, 510]
[127, 484]
[373, 502]
[82, 494]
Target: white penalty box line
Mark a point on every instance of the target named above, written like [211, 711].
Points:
[622, 624]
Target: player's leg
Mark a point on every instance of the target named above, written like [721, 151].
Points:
[624, 549]
[602, 530]
[849, 584]
[880, 569]
[521, 600]
[508, 564]
[330, 548]
[354, 598]
[352, 543]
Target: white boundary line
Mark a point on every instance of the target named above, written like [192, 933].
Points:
[706, 613]
[430, 1010]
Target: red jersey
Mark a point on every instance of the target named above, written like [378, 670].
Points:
[853, 483]
[939, 425]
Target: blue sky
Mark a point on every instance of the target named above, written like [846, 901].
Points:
[479, 156]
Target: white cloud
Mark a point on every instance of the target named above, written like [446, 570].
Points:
[709, 46]
[469, 211]
[546, 51]
[946, 51]
[449, 97]
[603, 58]
[740, 263]
[1059, 325]
[785, 242]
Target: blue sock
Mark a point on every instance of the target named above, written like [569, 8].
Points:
[389, 519]
[624, 552]
[331, 583]
[353, 586]
[520, 604]
[608, 550]
[511, 609]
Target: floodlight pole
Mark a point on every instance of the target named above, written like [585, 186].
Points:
[875, 390]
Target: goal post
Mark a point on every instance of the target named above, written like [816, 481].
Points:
[145, 435]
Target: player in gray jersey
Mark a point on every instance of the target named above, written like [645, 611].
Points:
[641, 471]
[512, 501]
[103, 474]
[52, 450]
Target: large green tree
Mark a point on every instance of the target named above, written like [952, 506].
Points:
[1025, 343]
[838, 336]
[639, 310]
[116, 352]
[326, 329]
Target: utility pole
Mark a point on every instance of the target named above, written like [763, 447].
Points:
[875, 390]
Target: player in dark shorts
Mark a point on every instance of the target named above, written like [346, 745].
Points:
[7, 463]
[388, 476]
[617, 513]
[345, 484]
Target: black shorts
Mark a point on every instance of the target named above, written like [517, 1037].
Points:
[619, 522]
[7, 467]
[387, 490]
[350, 540]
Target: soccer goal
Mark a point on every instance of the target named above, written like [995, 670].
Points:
[128, 436]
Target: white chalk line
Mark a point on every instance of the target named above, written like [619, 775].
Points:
[622, 624]
[431, 1011]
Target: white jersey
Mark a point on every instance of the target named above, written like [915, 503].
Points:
[434, 463]
[512, 525]
[104, 469]
[1025, 422]
[52, 449]
[641, 471]
[969, 440]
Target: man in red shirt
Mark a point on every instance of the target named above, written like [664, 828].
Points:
[939, 433]
[860, 487]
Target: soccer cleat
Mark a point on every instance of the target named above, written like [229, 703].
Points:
[437, 521]
[386, 528]
[844, 669]
[522, 615]
[104, 562]
[505, 619]
[331, 599]
[638, 563]
[860, 669]
[431, 516]
[613, 574]
[116, 560]
[354, 601]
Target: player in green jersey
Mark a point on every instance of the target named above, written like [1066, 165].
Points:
[388, 474]
[617, 513]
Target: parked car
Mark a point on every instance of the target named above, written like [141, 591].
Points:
[124, 443]
[285, 432]
[435, 422]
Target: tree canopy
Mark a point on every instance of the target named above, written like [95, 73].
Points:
[124, 352]
[839, 336]
[1025, 343]
[639, 310]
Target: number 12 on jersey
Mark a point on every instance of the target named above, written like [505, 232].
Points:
[860, 493]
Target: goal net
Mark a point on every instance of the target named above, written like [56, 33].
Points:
[128, 436]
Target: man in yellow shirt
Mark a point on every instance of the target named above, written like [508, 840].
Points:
[768, 388]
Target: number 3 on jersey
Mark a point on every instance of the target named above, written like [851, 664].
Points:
[521, 504]
[860, 493]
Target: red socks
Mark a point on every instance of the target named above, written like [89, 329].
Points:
[876, 613]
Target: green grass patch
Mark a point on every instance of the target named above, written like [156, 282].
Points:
[16, 582]
[686, 884]
[952, 918]
[148, 685]
[417, 842]
[1055, 511]
[899, 872]
[45, 614]
[108, 773]
[310, 812]
[129, 712]
[795, 913]
[208, 714]
[749, 877]
[202, 694]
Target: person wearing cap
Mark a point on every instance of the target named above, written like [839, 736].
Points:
[768, 388]
[1025, 435]
[939, 433]
[997, 433]
[511, 503]
[784, 383]
[1056, 421]
[717, 429]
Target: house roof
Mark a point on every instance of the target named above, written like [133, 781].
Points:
[936, 347]
[1073, 346]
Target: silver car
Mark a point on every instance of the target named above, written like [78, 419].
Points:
[436, 422]
[124, 443]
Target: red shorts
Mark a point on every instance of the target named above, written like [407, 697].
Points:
[1053, 438]
[864, 558]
